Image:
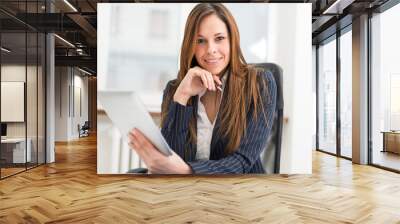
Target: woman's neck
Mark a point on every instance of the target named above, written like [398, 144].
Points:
[222, 72]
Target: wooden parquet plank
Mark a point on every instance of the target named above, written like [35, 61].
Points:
[70, 191]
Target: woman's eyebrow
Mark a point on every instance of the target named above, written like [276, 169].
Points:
[217, 34]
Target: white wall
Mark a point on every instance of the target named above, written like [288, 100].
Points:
[80, 103]
[293, 53]
[70, 83]
[61, 103]
[314, 95]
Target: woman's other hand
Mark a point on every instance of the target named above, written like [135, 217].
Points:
[156, 162]
[196, 81]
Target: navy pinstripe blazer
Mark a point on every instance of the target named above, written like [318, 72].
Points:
[246, 159]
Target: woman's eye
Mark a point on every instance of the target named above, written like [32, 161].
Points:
[201, 41]
[220, 38]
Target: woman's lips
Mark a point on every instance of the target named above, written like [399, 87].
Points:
[212, 61]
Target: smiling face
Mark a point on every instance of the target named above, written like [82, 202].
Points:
[212, 50]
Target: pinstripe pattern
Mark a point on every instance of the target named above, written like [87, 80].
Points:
[246, 159]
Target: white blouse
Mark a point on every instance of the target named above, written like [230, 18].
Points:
[205, 127]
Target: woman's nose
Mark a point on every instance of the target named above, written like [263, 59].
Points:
[212, 48]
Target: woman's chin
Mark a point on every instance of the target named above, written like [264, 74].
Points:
[214, 71]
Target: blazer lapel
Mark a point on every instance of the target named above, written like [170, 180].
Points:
[217, 142]
[193, 147]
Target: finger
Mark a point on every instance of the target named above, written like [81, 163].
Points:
[130, 139]
[142, 139]
[139, 150]
[197, 68]
[204, 80]
[204, 76]
[135, 133]
[217, 80]
[148, 148]
[213, 82]
[218, 83]
[211, 85]
[140, 145]
[130, 136]
[136, 141]
[143, 147]
[210, 81]
[132, 145]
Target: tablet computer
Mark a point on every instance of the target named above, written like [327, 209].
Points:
[127, 111]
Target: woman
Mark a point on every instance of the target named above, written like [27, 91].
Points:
[218, 113]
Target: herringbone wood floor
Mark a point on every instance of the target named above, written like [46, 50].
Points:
[70, 191]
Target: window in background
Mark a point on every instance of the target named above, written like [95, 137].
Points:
[385, 85]
[346, 94]
[395, 102]
[327, 96]
[15, 150]
[143, 54]
[158, 24]
[22, 67]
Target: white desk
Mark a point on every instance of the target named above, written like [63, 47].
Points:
[18, 145]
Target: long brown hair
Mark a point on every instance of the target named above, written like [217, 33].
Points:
[241, 91]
